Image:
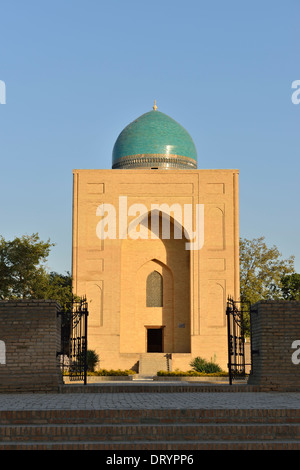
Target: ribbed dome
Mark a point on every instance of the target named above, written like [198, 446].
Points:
[154, 140]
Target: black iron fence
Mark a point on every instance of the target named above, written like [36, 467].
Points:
[238, 315]
[74, 319]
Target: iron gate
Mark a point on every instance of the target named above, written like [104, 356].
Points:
[74, 340]
[236, 338]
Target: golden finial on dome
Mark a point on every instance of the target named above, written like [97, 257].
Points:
[155, 107]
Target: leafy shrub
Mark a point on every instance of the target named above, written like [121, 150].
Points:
[190, 373]
[202, 365]
[92, 360]
[107, 373]
[112, 372]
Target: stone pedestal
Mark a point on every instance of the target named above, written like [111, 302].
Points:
[276, 345]
[30, 337]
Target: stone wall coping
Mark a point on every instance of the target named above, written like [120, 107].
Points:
[29, 303]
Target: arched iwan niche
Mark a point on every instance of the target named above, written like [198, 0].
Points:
[169, 258]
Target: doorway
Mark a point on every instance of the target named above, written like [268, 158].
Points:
[154, 340]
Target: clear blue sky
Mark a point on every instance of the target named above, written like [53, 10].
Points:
[77, 72]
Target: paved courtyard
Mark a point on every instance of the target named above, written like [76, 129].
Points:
[132, 400]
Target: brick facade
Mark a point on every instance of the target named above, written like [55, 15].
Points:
[113, 272]
[275, 333]
[30, 336]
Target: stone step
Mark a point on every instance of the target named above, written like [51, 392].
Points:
[151, 363]
[149, 432]
[142, 378]
[154, 446]
[150, 416]
[151, 386]
[177, 429]
[150, 429]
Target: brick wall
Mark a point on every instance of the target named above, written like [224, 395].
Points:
[30, 337]
[275, 331]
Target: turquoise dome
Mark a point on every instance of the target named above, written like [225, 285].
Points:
[154, 140]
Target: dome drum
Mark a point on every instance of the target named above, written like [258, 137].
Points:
[155, 161]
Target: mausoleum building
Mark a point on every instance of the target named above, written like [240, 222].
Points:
[156, 248]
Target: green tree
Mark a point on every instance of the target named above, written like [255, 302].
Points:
[24, 275]
[54, 286]
[290, 286]
[261, 270]
[22, 265]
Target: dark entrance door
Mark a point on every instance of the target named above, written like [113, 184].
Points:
[154, 340]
